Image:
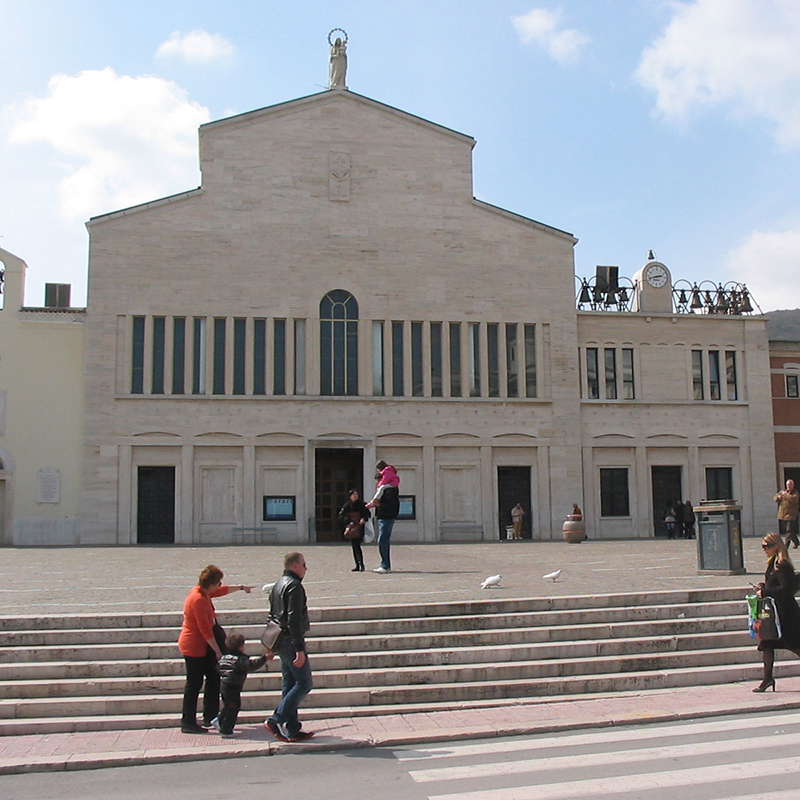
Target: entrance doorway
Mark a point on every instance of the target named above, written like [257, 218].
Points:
[791, 474]
[514, 486]
[335, 473]
[666, 489]
[155, 521]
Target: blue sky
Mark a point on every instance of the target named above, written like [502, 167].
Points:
[633, 124]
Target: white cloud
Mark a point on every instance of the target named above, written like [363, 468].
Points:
[767, 262]
[544, 28]
[126, 139]
[739, 53]
[196, 47]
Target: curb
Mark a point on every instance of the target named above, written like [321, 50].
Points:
[92, 761]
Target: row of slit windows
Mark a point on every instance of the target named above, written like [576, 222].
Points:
[615, 491]
[610, 374]
[438, 357]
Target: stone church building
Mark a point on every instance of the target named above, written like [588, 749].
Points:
[333, 294]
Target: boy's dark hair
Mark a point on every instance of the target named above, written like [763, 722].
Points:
[381, 465]
[234, 641]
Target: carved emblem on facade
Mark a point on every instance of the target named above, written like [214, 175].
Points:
[338, 176]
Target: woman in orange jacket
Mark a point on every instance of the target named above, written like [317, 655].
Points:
[199, 648]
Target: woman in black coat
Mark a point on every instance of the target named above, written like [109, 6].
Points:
[355, 511]
[779, 583]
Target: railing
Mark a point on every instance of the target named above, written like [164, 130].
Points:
[706, 297]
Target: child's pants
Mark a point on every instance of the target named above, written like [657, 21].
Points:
[231, 704]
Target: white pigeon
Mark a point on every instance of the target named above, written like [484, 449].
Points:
[553, 576]
[267, 587]
[492, 580]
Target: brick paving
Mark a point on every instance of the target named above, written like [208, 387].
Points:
[89, 580]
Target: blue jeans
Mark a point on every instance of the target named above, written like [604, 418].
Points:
[297, 684]
[384, 536]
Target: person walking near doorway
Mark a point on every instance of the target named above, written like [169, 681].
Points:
[354, 514]
[788, 501]
[517, 513]
[386, 503]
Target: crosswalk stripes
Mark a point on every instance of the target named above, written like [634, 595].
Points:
[752, 757]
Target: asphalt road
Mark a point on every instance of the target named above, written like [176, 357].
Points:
[749, 757]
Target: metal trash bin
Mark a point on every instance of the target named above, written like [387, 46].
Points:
[719, 538]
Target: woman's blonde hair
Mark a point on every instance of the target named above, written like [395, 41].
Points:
[782, 553]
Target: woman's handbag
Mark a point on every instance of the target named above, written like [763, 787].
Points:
[272, 635]
[219, 637]
[767, 623]
[752, 613]
[353, 531]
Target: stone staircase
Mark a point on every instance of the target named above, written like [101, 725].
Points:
[117, 671]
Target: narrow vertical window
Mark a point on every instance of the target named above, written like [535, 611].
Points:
[719, 483]
[628, 388]
[416, 359]
[493, 357]
[219, 356]
[397, 359]
[299, 356]
[474, 342]
[793, 385]
[338, 321]
[137, 364]
[592, 376]
[259, 356]
[378, 387]
[455, 359]
[279, 357]
[159, 342]
[436, 359]
[698, 382]
[178, 354]
[239, 345]
[512, 365]
[530, 360]
[610, 360]
[714, 375]
[199, 356]
[614, 492]
[730, 374]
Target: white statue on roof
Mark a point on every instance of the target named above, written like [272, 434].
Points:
[338, 65]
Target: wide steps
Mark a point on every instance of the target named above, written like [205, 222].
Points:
[123, 691]
[119, 671]
[71, 673]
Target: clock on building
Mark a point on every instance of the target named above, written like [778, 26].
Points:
[656, 276]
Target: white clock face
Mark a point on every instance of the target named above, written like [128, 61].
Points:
[656, 276]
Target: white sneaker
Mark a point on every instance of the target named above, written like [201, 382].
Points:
[382, 570]
[214, 724]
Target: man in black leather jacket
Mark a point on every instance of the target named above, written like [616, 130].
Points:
[289, 608]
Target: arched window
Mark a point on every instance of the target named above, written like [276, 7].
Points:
[338, 337]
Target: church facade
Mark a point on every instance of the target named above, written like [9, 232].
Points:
[333, 294]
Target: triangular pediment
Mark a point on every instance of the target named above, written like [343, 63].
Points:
[336, 96]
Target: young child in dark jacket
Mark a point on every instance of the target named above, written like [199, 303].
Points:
[233, 669]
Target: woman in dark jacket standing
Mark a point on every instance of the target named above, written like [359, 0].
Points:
[355, 512]
[779, 583]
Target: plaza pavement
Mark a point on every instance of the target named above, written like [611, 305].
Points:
[72, 580]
